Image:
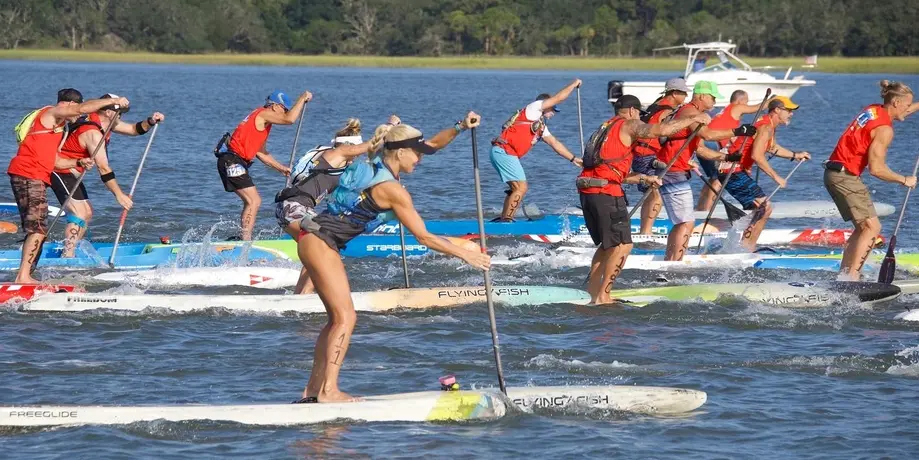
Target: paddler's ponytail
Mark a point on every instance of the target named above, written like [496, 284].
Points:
[352, 128]
[891, 90]
[376, 142]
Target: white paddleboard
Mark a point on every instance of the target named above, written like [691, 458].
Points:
[783, 210]
[428, 406]
[779, 236]
[912, 315]
[260, 277]
[417, 298]
[573, 256]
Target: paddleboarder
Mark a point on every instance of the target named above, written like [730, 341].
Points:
[368, 193]
[675, 93]
[30, 170]
[85, 134]
[729, 118]
[742, 186]
[248, 143]
[864, 144]
[518, 135]
[607, 164]
[676, 191]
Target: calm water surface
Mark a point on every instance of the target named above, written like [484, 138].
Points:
[836, 383]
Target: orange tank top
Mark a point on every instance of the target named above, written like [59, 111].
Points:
[648, 147]
[724, 120]
[617, 162]
[521, 135]
[675, 143]
[852, 148]
[36, 155]
[746, 156]
[73, 148]
[247, 140]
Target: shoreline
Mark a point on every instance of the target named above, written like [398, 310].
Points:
[829, 64]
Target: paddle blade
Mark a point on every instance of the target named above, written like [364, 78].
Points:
[734, 213]
[889, 265]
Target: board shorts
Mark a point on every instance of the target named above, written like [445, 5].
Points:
[710, 167]
[234, 172]
[63, 183]
[508, 166]
[289, 211]
[644, 165]
[607, 219]
[678, 201]
[744, 189]
[851, 196]
[32, 201]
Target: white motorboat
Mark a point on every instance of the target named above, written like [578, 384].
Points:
[730, 73]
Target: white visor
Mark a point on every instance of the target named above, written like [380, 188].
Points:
[348, 140]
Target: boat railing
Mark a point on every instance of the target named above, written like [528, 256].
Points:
[773, 67]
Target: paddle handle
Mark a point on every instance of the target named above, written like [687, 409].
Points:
[679, 152]
[743, 143]
[124, 212]
[484, 246]
[580, 122]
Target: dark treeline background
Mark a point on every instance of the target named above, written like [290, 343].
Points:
[436, 27]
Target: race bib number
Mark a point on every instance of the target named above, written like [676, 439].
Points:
[236, 170]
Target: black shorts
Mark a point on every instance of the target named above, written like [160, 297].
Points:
[63, 183]
[607, 219]
[234, 172]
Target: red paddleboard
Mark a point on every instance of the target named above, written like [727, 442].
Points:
[8, 227]
[14, 291]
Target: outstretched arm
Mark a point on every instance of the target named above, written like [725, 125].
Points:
[131, 129]
[877, 157]
[394, 196]
[561, 150]
[289, 117]
[90, 106]
[740, 110]
[445, 137]
[561, 95]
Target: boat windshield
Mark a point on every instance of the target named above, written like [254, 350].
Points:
[723, 63]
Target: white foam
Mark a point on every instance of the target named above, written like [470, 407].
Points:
[549, 361]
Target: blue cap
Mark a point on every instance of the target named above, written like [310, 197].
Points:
[279, 97]
[545, 96]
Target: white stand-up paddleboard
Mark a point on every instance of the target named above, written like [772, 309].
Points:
[311, 303]
[580, 257]
[782, 210]
[428, 406]
[260, 277]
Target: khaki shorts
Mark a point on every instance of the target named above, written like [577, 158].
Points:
[851, 196]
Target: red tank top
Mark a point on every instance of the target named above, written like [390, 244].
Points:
[522, 134]
[648, 147]
[852, 148]
[724, 120]
[746, 156]
[675, 142]
[247, 140]
[619, 156]
[74, 149]
[36, 155]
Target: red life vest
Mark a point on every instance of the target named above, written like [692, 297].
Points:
[723, 121]
[73, 149]
[520, 134]
[247, 140]
[648, 147]
[617, 162]
[675, 142]
[36, 155]
[852, 148]
[746, 156]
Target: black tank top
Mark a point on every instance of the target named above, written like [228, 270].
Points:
[310, 191]
[338, 230]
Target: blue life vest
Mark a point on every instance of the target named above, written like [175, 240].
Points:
[349, 201]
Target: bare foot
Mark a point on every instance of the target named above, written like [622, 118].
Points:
[337, 396]
[26, 280]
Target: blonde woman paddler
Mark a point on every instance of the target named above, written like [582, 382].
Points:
[368, 193]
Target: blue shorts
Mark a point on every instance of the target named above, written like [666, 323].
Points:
[644, 165]
[744, 189]
[709, 167]
[677, 197]
[508, 166]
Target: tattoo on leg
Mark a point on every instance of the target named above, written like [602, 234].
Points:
[336, 360]
[616, 272]
[861, 262]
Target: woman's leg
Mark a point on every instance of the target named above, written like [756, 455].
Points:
[331, 280]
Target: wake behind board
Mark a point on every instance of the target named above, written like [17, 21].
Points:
[428, 406]
[375, 301]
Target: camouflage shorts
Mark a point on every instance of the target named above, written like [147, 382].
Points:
[32, 202]
[288, 212]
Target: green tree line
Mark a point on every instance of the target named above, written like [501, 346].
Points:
[453, 27]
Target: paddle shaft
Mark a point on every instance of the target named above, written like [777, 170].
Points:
[124, 212]
[580, 123]
[679, 152]
[889, 265]
[408, 283]
[483, 244]
[711, 209]
[293, 149]
[85, 170]
[786, 180]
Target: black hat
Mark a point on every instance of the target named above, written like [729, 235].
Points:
[545, 96]
[627, 102]
[417, 144]
[70, 95]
